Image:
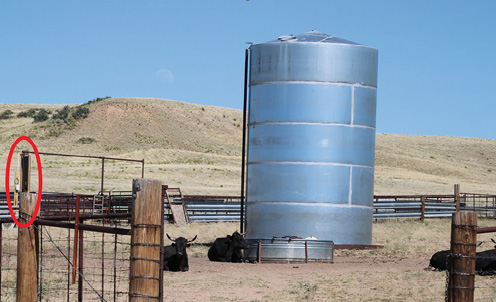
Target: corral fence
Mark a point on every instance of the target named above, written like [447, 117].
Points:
[100, 268]
[433, 206]
[84, 248]
[211, 208]
[208, 208]
[5, 214]
[227, 208]
[101, 264]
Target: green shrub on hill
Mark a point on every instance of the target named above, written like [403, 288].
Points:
[28, 113]
[98, 100]
[41, 116]
[81, 112]
[62, 114]
[6, 114]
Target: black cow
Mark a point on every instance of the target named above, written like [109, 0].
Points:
[438, 260]
[228, 249]
[485, 263]
[175, 256]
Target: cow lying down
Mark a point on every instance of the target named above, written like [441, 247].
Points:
[485, 262]
[175, 256]
[228, 249]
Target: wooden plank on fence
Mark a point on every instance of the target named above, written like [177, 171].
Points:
[463, 247]
[178, 214]
[27, 251]
[145, 240]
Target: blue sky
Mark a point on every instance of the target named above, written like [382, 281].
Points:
[437, 59]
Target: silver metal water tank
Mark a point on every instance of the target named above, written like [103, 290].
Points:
[311, 141]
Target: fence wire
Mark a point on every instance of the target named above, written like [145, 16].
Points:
[105, 274]
[8, 277]
[105, 266]
[485, 290]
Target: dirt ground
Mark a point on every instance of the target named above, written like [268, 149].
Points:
[396, 272]
[211, 281]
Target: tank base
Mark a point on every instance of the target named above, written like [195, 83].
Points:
[289, 250]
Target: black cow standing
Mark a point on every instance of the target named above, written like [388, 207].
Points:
[175, 256]
[228, 249]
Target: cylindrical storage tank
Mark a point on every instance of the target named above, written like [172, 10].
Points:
[311, 140]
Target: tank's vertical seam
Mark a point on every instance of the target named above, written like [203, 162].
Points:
[352, 105]
[351, 186]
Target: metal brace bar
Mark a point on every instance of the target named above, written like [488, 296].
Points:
[146, 259]
[144, 277]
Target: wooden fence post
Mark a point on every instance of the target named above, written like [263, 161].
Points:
[144, 284]
[27, 251]
[457, 197]
[461, 281]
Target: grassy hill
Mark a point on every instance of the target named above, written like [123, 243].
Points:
[198, 148]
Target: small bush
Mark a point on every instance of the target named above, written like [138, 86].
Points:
[62, 114]
[29, 113]
[81, 112]
[86, 140]
[41, 116]
[54, 133]
[6, 114]
[98, 100]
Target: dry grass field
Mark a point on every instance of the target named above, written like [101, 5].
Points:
[198, 148]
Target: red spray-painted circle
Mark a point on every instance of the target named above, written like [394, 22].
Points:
[40, 181]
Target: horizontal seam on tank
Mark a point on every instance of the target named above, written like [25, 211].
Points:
[299, 203]
[313, 42]
[313, 83]
[312, 123]
[306, 163]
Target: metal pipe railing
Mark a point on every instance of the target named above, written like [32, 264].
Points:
[228, 208]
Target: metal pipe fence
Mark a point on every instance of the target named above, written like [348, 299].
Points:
[219, 208]
[228, 208]
[6, 216]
